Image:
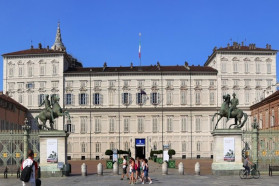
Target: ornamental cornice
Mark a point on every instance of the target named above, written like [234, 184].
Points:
[97, 89]
[183, 88]
[29, 90]
[83, 89]
[169, 88]
[32, 56]
[42, 90]
[54, 89]
[69, 89]
[154, 88]
[258, 88]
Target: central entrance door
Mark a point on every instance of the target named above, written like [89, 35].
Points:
[140, 148]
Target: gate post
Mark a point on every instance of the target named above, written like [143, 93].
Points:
[255, 144]
[26, 129]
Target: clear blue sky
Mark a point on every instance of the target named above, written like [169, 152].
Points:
[173, 31]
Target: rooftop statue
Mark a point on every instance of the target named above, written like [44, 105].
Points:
[52, 111]
[229, 110]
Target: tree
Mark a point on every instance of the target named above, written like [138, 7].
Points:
[171, 152]
[108, 152]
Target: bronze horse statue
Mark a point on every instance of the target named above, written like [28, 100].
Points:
[237, 114]
[46, 115]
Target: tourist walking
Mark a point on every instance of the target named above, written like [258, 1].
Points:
[145, 175]
[132, 171]
[137, 168]
[34, 172]
[124, 169]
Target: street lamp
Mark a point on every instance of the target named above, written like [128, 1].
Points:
[26, 129]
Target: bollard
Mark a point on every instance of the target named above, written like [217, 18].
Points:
[164, 168]
[115, 168]
[181, 168]
[197, 168]
[100, 169]
[84, 169]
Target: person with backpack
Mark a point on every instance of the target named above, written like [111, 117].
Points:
[29, 169]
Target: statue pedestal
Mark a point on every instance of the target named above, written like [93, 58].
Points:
[227, 157]
[53, 152]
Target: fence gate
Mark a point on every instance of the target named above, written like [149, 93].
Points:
[265, 146]
[12, 148]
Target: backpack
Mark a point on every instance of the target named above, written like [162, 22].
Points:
[26, 173]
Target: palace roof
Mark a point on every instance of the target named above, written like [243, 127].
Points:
[35, 51]
[11, 100]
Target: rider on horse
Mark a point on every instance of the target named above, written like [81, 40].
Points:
[234, 102]
[48, 106]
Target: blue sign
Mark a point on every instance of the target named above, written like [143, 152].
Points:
[140, 142]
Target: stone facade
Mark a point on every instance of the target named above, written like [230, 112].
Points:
[111, 107]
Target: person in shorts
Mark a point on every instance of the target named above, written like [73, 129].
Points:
[145, 172]
[137, 168]
[124, 168]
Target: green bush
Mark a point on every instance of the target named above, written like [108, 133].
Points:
[171, 152]
[108, 152]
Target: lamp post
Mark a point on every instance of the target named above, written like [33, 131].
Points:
[26, 129]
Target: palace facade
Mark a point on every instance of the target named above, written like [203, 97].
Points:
[140, 108]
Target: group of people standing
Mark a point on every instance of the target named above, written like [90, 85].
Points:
[138, 170]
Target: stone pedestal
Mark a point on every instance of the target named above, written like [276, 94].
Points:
[221, 165]
[51, 168]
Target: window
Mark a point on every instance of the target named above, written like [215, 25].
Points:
[126, 146]
[258, 70]
[30, 85]
[111, 98]
[11, 86]
[69, 84]
[97, 83]
[169, 97]
[30, 100]
[266, 119]
[269, 82]
[30, 70]
[258, 83]
[20, 86]
[223, 67]
[246, 67]
[98, 147]
[272, 119]
[141, 98]
[83, 147]
[235, 67]
[183, 83]
[69, 99]
[11, 70]
[83, 84]
[42, 84]
[83, 125]
[20, 100]
[140, 124]
[224, 82]
[126, 124]
[111, 145]
[155, 98]
[83, 99]
[42, 69]
[97, 99]
[111, 83]
[198, 98]
[155, 124]
[111, 124]
[235, 82]
[154, 83]
[268, 68]
[169, 83]
[126, 83]
[198, 82]
[198, 146]
[169, 124]
[54, 84]
[247, 97]
[247, 82]
[212, 97]
[183, 123]
[126, 98]
[54, 69]
[140, 83]
[183, 97]
[97, 124]
[41, 98]
[20, 70]
[211, 82]
[183, 146]
[198, 123]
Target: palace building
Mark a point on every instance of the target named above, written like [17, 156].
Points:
[116, 107]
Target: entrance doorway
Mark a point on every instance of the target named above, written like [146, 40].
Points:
[140, 148]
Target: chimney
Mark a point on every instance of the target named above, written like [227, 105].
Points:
[242, 43]
[186, 64]
[228, 45]
[214, 49]
[250, 46]
[131, 66]
[32, 47]
[40, 45]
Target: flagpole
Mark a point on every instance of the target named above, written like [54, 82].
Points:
[140, 48]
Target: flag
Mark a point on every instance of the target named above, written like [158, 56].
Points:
[139, 50]
[139, 46]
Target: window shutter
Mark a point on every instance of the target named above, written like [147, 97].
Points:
[65, 99]
[101, 99]
[39, 99]
[137, 98]
[130, 98]
[151, 98]
[144, 98]
[79, 98]
[93, 98]
[73, 99]
[158, 98]
[122, 98]
[86, 99]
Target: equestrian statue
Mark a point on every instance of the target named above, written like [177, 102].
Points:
[229, 110]
[52, 111]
